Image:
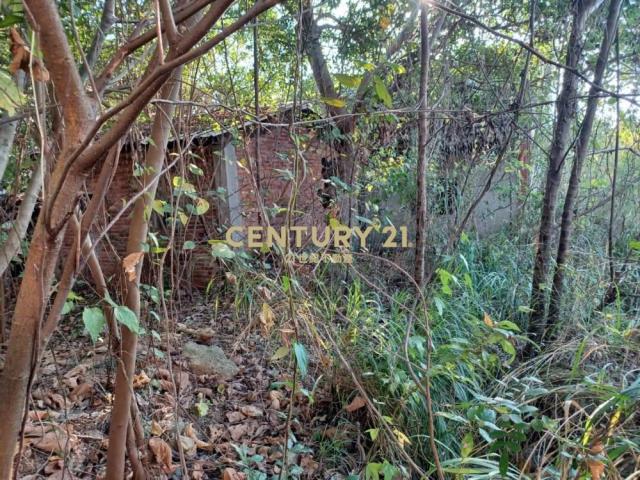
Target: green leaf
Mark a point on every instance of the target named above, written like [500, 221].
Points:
[94, 322]
[10, 96]
[196, 170]
[189, 245]
[202, 408]
[334, 102]
[302, 359]
[127, 318]
[372, 471]
[280, 353]
[202, 206]
[373, 433]
[382, 92]
[467, 445]
[350, 81]
[222, 250]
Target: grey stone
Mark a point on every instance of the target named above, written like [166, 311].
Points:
[209, 360]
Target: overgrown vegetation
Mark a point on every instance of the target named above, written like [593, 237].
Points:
[471, 311]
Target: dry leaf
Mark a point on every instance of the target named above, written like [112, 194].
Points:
[231, 474]
[267, 318]
[141, 379]
[231, 278]
[129, 264]
[355, 404]
[216, 432]
[55, 441]
[188, 445]
[487, 320]
[82, 391]
[197, 471]
[156, 428]
[191, 433]
[265, 292]
[238, 431]
[596, 467]
[162, 453]
[235, 417]
[251, 411]
[22, 59]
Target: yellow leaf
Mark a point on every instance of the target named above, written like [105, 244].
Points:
[334, 102]
[487, 320]
[402, 438]
[267, 318]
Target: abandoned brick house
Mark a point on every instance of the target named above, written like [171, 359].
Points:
[221, 165]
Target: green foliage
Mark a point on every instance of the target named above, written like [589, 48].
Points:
[94, 322]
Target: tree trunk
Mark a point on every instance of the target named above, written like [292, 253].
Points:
[578, 162]
[18, 231]
[154, 161]
[22, 355]
[566, 111]
[8, 131]
[423, 137]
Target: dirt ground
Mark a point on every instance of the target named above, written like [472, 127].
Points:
[231, 428]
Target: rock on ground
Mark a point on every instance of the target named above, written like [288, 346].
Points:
[209, 360]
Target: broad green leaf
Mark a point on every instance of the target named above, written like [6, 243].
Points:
[94, 322]
[196, 170]
[302, 359]
[467, 445]
[334, 102]
[373, 433]
[382, 92]
[127, 318]
[222, 250]
[158, 206]
[202, 206]
[189, 245]
[351, 81]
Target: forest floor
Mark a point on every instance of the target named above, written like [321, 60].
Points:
[231, 428]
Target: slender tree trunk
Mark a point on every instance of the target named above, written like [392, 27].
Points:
[11, 245]
[578, 162]
[611, 291]
[22, 356]
[8, 130]
[137, 236]
[423, 137]
[566, 110]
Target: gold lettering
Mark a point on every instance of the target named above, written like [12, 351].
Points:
[254, 237]
[229, 236]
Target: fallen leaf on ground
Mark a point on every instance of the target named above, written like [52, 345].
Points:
[188, 445]
[82, 391]
[161, 453]
[54, 441]
[191, 433]
[238, 431]
[235, 417]
[251, 411]
[141, 379]
[231, 474]
[355, 404]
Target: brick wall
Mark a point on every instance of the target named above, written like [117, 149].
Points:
[197, 266]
